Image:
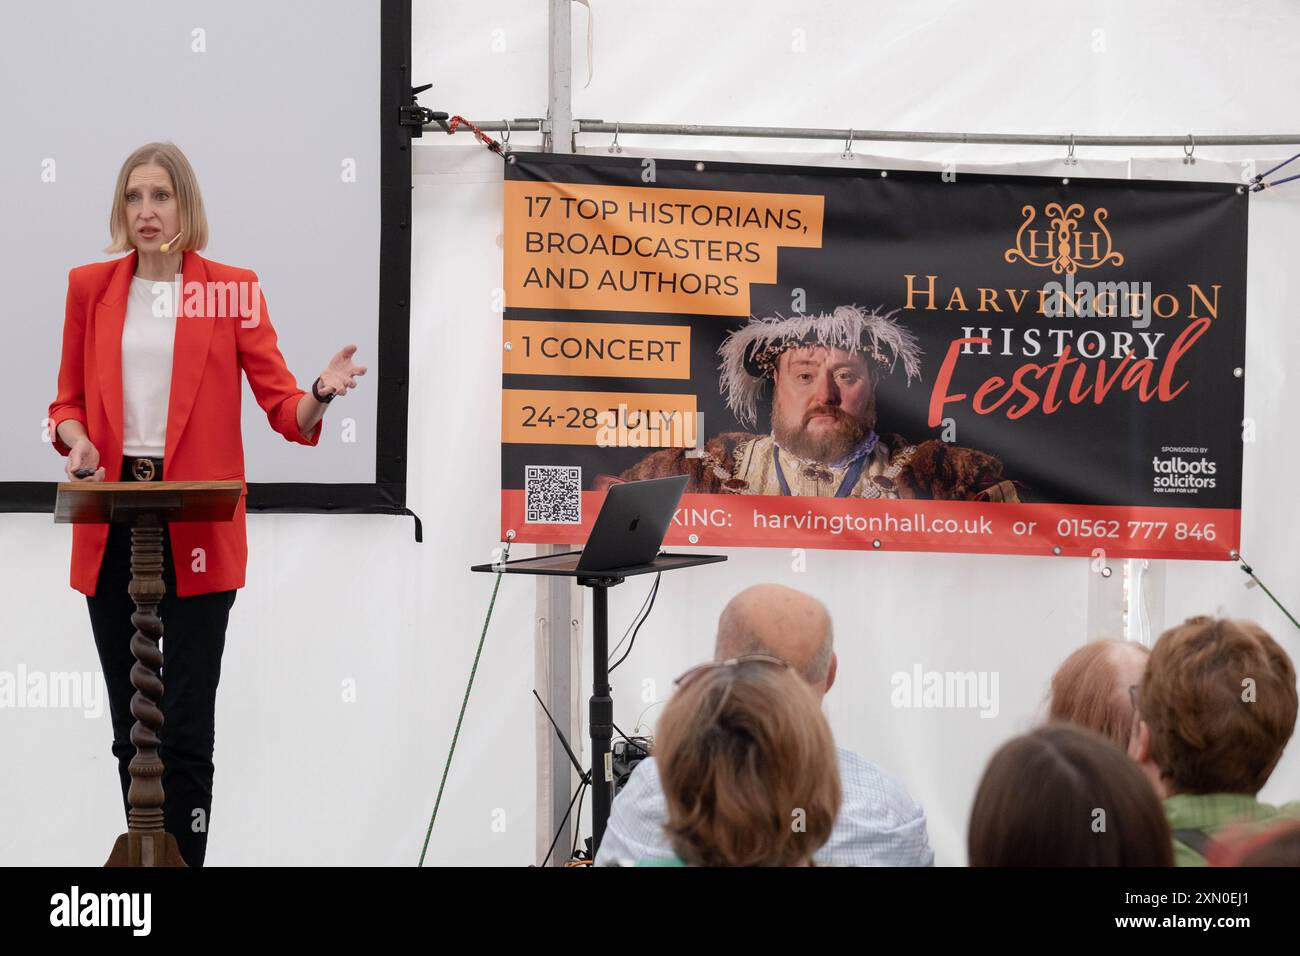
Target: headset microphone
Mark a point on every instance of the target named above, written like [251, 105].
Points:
[167, 245]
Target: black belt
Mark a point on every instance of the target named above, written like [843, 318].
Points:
[141, 469]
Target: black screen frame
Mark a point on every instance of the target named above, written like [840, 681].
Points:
[387, 493]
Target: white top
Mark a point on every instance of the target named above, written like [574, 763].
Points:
[148, 337]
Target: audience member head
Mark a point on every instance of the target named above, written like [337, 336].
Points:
[1065, 796]
[1275, 845]
[1216, 707]
[780, 622]
[748, 765]
[1092, 688]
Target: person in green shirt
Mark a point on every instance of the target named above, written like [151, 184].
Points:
[1214, 711]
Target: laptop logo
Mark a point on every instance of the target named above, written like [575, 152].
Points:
[635, 521]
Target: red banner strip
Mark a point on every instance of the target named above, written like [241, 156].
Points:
[971, 527]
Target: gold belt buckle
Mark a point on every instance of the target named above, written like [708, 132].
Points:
[143, 469]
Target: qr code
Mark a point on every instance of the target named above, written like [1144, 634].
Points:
[552, 494]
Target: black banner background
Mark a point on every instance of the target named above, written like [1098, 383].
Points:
[879, 228]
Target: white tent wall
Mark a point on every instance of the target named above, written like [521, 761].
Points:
[348, 651]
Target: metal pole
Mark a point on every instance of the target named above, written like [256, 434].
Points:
[1197, 140]
[557, 669]
[557, 647]
[559, 112]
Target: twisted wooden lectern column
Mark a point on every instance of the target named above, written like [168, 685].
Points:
[146, 842]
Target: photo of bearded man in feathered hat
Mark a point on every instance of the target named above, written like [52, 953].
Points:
[823, 371]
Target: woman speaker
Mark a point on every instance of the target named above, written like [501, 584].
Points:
[150, 389]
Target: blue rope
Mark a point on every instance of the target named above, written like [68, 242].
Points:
[1258, 183]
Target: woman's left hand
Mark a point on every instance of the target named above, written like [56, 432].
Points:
[340, 374]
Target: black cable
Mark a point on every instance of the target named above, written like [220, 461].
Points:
[635, 618]
[631, 644]
[577, 793]
[629, 739]
[577, 822]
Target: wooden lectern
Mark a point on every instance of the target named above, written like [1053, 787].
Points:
[146, 506]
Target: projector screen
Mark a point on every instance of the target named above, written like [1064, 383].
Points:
[290, 114]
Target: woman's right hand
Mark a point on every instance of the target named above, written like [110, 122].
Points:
[83, 455]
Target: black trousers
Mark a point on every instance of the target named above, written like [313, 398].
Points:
[194, 635]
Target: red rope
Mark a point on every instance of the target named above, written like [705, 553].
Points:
[479, 135]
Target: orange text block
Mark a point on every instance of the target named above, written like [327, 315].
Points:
[644, 249]
[606, 419]
[597, 348]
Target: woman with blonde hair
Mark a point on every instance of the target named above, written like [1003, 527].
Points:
[748, 765]
[149, 389]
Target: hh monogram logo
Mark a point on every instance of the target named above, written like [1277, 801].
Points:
[1062, 244]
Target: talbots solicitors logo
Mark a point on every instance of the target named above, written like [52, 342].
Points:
[74, 908]
[946, 690]
[1061, 240]
[1182, 470]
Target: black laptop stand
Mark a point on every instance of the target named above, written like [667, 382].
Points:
[602, 704]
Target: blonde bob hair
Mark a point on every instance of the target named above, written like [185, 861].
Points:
[193, 219]
[742, 748]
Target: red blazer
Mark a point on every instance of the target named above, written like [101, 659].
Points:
[203, 440]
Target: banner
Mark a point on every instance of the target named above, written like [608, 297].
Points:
[900, 360]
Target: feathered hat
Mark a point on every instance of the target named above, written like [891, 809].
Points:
[749, 355]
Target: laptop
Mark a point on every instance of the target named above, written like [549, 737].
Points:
[629, 530]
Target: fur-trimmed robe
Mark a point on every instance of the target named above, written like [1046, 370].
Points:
[932, 469]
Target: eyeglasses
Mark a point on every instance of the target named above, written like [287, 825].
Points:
[1133, 699]
[699, 669]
